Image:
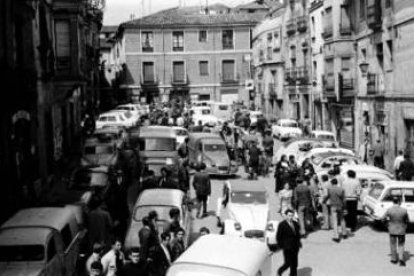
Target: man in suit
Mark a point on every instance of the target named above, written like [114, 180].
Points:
[136, 266]
[288, 239]
[397, 227]
[336, 196]
[147, 239]
[177, 245]
[202, 187]
[161, 257]
[406, 168]
[302, 200]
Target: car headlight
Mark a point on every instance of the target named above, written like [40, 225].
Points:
[237, 226]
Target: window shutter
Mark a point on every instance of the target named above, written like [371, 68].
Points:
[148, 71]
[62, 38]
[228, 69]
[178, 70]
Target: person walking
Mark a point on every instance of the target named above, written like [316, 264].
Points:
[268, 146]
[336, 195]
[352, 189]
[166, 180]
[171, 226]
[202, 187]
[285, 198]
[324, 185]
[177, 245]
[397, 163]
[365, 151]
[293, 171]
[302, 199]
[114, 259]
[147, 240]
[99, 223]
[281, 173]
[379, 152]
[183, 148]
[161, 257]
[288, 239]
[254, 154]
[96, 269]
[397, 226]
[183, 176]
[136, 266]
[94, 257]
[406, 168]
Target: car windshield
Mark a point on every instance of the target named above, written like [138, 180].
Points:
[376, 190]
[99, 150]
[163, 212]
[85, 180]
[21, 253]
[158, 144]
[405, 194]
[248, 197]
[289, 124]
[214, 147]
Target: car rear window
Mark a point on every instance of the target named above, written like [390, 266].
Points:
[376, 190]
[289, 124]
[162, 211]
[22, 253]
[405, 194]
[247, 197]
[157, 144]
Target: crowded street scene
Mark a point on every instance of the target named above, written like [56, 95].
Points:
[207, 138]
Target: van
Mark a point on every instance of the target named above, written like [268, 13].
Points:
[40, 241]
[233, 256]
[222, 111]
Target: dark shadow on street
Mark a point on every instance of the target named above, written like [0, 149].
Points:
[306, 271]
[408, 255]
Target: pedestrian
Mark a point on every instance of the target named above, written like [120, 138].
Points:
[288, 239]
[268, 146]
[285, 198]
[183, 176]
[302, 199]
[406, 168]
[153, 218]
[114, 259]
[324, 185]
[379, 152]
[254, 154]
[365, 151]
[183, 148]
[336, 195]
[149, 180]
[96, 269]
[161, 257]
[293, 171]
[198, 128]
[166, 180]
[307, 126]
[263, 165]
[246, 121]
[352, 189]
[281, 173]
[397, 163]
[177, 245]
[136, 266]
[94, 257]
[173, 224]
[202, 187]
[99, 223]
[306, 169]
[147, 240]
[397, 226]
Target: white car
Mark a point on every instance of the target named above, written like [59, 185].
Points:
[318, 153]
[181, 133]
[200, 110]
[113, 119]
[132, 108]
[209, 120]
[243, 210]
[323, 134]
[379, 198]
[323, 162]
[285, 129]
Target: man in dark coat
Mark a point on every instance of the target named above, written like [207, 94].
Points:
[254, 154]
[202, 187]
[146, 240]
[177, 245]
[166, 180]
[288, 239]
[183, 176]
[161, 257]
[397, 227]
[302, 199]
[136, 266]
[406, 168]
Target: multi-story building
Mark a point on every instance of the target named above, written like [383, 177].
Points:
[319, 109]
[48, 58]
[339, 76]
[189, 53]
[384, 50]
[297, 59]
[269, 64]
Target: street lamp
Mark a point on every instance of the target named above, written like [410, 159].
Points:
[363, 66]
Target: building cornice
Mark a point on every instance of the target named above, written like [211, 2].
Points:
[198, 53]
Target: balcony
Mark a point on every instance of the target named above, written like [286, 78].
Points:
[345, 30]
[229, 79]
[327, 32]
[178, 49]
[179, 80]
[374, 14]
[147, 47]
[290, 76]
[302, 24]
[290, 27]
[302, 75]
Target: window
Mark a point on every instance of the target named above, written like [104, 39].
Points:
[202, 36]
[276, 41]
[227, 39]
[178, 41]
[346, 63]
[148, 72]
[62, 28]
[147, 41]
[269, 37]
[51, 249]
[66, 236]
[228, 70]
[178, 71]
[362, 10]
[203, 67]
[388, 4]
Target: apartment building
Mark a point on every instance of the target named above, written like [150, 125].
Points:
[297, 58]
[384, 32]
[189, 52]
[269, 65]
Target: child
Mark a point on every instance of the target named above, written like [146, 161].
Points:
[263, 164]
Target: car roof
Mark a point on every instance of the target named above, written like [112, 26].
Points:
[231, 252]
[247, 186]
[157, 131]
[397, 184]
[323, 132]
[167, 197]
[47, 217]
[24, 236]
[295, 140]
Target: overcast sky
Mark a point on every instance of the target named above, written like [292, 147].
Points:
[118, 11]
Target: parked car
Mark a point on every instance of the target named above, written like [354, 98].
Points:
[285, 129]
[323, 134]
[158, 148]
[113, 119]
[221, 110]
[209, 120]
[243, 210]
[210, 149]
[223, 255]
[40, 242]
[324, 161]
[181, 133]
[113, 134]
[130, 119]
[99, 153]
[380, 195]
[160, 200]
[131, 108]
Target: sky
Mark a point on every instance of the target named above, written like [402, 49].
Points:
[118, 11]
